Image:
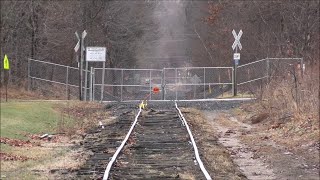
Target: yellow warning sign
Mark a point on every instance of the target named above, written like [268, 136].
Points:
[6, 65]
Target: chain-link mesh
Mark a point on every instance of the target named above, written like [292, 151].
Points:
[113, 84]
[197, 82]
[283, 67]
[174, 83]
[53, 80]
[126, 84]
[255, 75]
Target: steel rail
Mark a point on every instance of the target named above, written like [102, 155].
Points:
[107, 171]
[196, 152]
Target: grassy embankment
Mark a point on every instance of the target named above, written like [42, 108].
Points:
[20, 119]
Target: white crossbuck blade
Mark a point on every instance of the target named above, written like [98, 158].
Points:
[237, 39]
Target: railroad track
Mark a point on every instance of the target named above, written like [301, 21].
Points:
[158, 145]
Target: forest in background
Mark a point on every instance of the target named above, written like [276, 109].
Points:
[44, 30]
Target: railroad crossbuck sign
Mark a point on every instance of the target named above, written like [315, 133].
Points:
[76, 48]
[236, 42]
[6, 65]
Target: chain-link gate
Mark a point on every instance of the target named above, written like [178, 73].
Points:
[197, 82]
[113, 84]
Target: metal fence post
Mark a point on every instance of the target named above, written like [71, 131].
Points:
[121, 85]
[204, 83]
[86, 81]
[302, 66]
[233, 82]
[93, 83]
[150, 86]
[163, 83]
[67, 84]
[29, 80]
[91, 87]
[176, 76]
[102, 83]
[268, 70]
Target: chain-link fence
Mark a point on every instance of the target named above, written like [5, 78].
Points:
[53, 80]
[256, 74]
[115, 84]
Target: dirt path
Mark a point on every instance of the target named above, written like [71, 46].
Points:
[256, 154]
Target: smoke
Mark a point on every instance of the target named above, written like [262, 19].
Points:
[169, 49]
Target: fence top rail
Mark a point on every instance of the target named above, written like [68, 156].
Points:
[126, 69]
[169, 84]
[252, 62]
[270, 59]
[287, 58]
[45, 62]
[199, 68]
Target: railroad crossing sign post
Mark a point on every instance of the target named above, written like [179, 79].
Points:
[80, 45]
[82, 50]
[76, 49]
[236, 58]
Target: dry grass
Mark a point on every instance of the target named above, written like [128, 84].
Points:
[19, 92]
[186, 176]
[215, 156]
[44, 91]
[74, 120]
[290, 106]
[85, 115]
[44, 158]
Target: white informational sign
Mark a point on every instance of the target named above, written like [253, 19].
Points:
[96, 54]
[236, 56]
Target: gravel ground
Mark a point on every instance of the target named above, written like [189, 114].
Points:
[102, 143]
